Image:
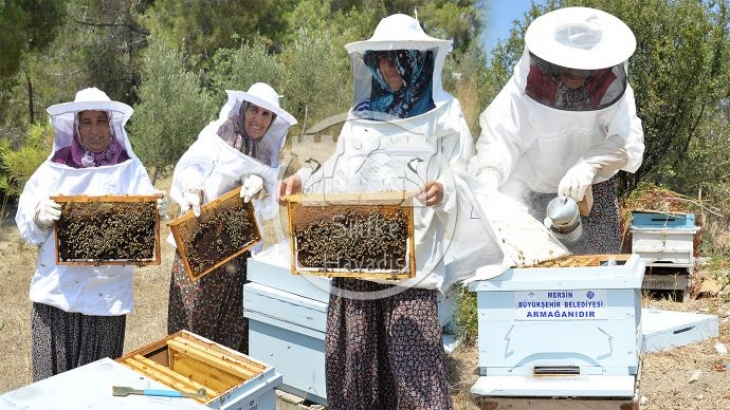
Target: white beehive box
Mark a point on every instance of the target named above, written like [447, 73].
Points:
[287, 321]
[579, 325]
[664, 246]
[663, 239]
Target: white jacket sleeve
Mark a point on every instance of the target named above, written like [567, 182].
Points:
[623, 148]
[457, 149]
[500, 143]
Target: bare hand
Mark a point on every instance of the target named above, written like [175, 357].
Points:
[289, 186]
[433, 194]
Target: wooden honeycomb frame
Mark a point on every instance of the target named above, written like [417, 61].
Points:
[304, 210]
[66, 201]
[183, 228]
[578, 261]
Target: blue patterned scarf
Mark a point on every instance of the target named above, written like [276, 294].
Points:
[415, 97]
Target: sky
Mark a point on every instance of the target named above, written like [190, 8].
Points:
[500, 15]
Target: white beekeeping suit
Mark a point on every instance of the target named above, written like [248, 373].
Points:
[531, 137]
[378, 152]
[566, 120]
[104, 290]
[213, 167]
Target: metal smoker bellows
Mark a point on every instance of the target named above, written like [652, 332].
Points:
[563, 219]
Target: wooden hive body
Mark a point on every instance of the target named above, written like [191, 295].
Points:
[187, 362]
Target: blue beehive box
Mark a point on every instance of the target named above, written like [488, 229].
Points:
[647, 219]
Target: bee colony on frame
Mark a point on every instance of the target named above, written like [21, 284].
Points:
[225, 229]
[352, 235]
[108, 230]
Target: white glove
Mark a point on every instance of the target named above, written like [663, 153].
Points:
[46, 212]
[162, 204]
[577, 180]
[192, 200]
[252, 185]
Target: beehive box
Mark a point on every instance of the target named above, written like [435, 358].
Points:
[187, 362]
[107, 230]
[663, 239]
[226, 228]
[358, 236]
[565, 328]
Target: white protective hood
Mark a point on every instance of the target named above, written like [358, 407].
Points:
[214, 167]
[532, 145]
[91, 290]
[405, 153]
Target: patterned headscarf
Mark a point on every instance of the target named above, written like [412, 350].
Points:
[416, 95]
[234, 134]
[80, 157]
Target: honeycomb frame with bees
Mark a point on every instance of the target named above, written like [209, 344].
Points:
[367, 236]
[226, 228]
[107, 230]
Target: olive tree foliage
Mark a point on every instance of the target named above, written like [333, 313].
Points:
[680, 73]
[28, 27]
[19, 160]
[173, 108]
[319, 83]
[239, 68]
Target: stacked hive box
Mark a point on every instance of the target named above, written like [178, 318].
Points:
[665, 242]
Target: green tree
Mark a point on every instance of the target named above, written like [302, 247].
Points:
[237, 69]
[200, 27]
[173, 108]
[18, 162]
[27, 25]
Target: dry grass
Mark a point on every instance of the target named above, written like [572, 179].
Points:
[665, 377]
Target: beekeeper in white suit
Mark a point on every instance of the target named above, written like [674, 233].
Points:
[566, 121]
[79, 311]
[240, 148]
[404, 132]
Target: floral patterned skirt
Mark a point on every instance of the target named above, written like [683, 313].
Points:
[384, 353]
[63, 341]
[212, 306]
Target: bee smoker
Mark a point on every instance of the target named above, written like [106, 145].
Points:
[563, 219]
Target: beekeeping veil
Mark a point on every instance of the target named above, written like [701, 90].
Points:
[264, 96]
[577, 59]
[394, 35]
[64, 118]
